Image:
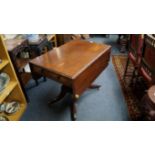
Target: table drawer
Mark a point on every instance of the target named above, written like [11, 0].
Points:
[58, 78]
[37, 72]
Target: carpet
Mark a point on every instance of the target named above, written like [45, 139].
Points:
[119, 62]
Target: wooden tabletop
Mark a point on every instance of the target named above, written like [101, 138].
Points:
[71, 58]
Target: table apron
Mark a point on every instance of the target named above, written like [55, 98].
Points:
[37, 72]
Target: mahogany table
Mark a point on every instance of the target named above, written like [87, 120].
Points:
[75, 65]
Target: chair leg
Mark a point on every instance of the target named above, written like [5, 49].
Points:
[126, 68]
[73, 110]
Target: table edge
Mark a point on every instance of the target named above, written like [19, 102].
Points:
[78, 73]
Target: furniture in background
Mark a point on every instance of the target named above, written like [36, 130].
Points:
[147, 66]
[135, 46]
[52, 39]
[76, 36]
[75, 65]
[120, 36]
[99, 35]
[80, 36]
[39, 47]
[13, 91]
[123, 44]
[64, 38]
[15, 48]
[147, 105]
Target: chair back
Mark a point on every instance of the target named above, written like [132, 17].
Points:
[136, 44]
[148, 60]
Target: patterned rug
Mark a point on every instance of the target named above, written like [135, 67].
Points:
[119, 62]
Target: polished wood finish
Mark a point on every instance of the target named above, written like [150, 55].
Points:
[91, 72]
[76, 65]
[72, 58]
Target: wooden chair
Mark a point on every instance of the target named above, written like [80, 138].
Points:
[76, 36]
[147, 67]
[79, 36]
[135, 45]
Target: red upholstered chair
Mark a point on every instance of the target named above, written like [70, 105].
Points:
[147, 67]
[135, 47]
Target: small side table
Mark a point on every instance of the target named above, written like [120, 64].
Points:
[15, 47]
[38, 47]
[148, 105]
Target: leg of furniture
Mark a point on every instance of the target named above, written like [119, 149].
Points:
[73, 110]
[44, 78]
[94, 86]
[64, 91]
